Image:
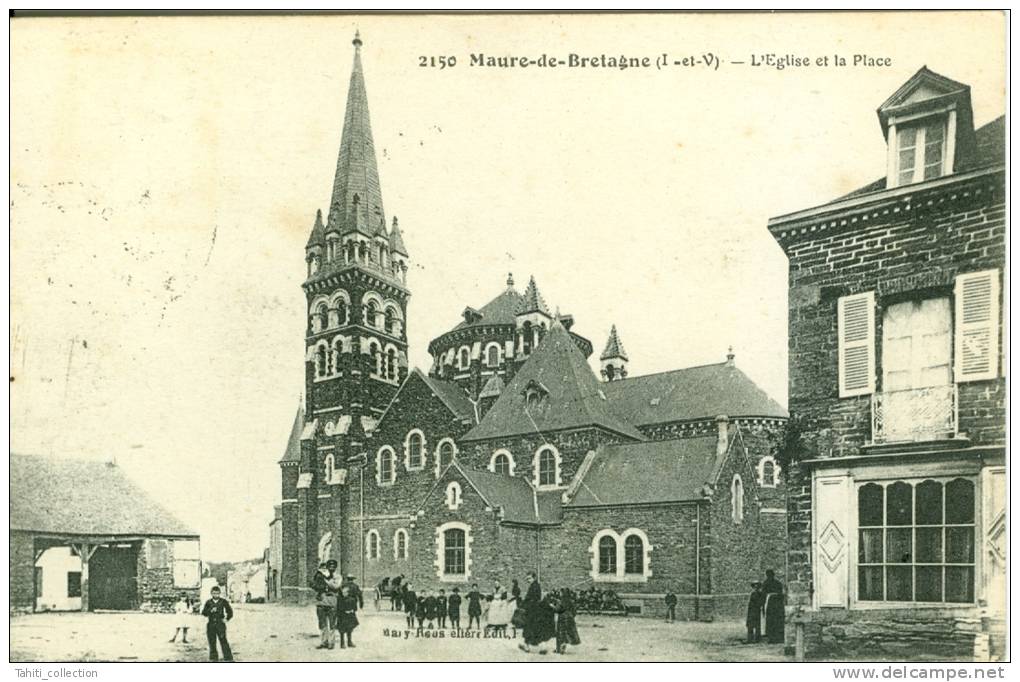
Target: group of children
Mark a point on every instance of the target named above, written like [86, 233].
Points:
[434, 608]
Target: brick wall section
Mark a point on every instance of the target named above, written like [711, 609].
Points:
[156, 589]
[894, 634]
[22, 572]
[920, 243]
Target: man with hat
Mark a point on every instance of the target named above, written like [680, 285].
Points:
[755, 604]
[326, 586]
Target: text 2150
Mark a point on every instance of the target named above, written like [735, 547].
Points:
[440, 62]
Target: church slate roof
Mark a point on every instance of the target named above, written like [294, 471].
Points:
[82, 497]
[574, 397]
[642, 473]
[452, 395]
[691, 393]
[520, 502]
[293, 451]
[397, 240]
[500, 310]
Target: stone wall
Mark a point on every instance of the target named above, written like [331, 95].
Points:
[22, 572]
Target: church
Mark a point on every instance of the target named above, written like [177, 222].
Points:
[510, 454]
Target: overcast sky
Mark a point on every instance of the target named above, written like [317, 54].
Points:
[166, 172]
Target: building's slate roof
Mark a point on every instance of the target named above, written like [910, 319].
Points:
[452, 395]
[520, 502]
[500, 310]
[641, 473]
[691, 393]
[575, 397]
[318, 235]
[990, 143]
[81, 497]
[293, 451]
[493, 387]
[397, 240]
[532, 300]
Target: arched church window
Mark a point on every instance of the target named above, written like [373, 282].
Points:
[371, 313]
[390, 321]
[492, 356]
[321, 362]
[391, 364]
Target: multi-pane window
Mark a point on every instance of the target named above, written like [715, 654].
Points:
[920, 151]
[547, 467]
[916, 541]
[633, 555]
[492, 356]
[400, 544]
[386, 468]
[453, 551]
[415, 450]
[607, 555]
[444, 455]
[372, 541]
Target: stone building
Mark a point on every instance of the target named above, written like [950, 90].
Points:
[84, 537]
[509, 454]
[897, 390]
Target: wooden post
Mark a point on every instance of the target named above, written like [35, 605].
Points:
[85, 551]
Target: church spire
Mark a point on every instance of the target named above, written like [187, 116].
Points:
[356, 204]
[614, 358]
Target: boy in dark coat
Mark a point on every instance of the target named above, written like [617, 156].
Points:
[410, 600]
[454, 606]
[420, 609]
[754, 608]
[441, 606]
[670, 606]
[474, 607]
[431, 609]
[218, 612]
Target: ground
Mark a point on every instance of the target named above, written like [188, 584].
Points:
[273, 632]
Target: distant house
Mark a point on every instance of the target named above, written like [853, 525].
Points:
[84, 537]
[897, 502]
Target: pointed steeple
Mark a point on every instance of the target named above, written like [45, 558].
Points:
[533, 301]
[396, 240]
[614, 347]
[356, 204]
[318, 235]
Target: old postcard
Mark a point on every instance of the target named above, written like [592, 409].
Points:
[591, 337]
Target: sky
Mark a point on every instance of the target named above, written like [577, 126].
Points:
[165, 173]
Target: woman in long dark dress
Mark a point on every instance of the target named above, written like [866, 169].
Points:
[566, 626]
[775, 609]
[346, 615]
[539, 619]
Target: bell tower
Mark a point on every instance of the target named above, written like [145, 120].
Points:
[355, 351]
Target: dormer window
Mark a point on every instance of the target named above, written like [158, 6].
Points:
[920, 150]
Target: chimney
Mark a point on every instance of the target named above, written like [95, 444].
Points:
[729, 357]
[723, 424]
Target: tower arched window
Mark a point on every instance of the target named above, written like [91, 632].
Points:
[328, 468]
[321, 362]
[527, 336]
[391, 364]
[371, 314]
[492, 355]
[464, 358]
[390, 321]
[400, 544]
[768, 472]
[341, 312]
[351, 252]
[607, 555]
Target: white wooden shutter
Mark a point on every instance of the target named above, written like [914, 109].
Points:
[856, 316]
[977, 326]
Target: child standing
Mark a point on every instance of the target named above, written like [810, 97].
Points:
[218, 612]
[441, 606]
[410, 604]
[430, 608]
[182, 610]
[474, 607]
[755, 604]
[420, 610]
[670, 606]
[454, 607]
[346, 615]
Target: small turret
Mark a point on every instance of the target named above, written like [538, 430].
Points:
[614, 358]
[533, 319]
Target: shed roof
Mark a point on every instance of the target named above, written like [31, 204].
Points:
[82, 497]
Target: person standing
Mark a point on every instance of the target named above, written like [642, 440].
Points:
[441, 609]
[474, 607]
[670, 606]
[397, 593]
[454, 607]
[356, 592]
[515, 593]
[410, 601]
[755, 604]
[326, 587]
[347, 615]
[566, 625]
[431, 608]
[775, 609]
[539, 620]
[420, 608]
[218, 612]
[182, 613]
